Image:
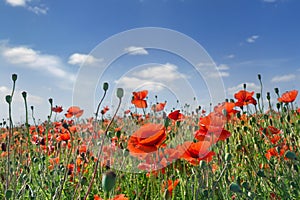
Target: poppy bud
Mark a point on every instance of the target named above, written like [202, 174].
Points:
[261, 173]
[259, 77]
[288, 118]
[290, 155]
[277, 106]
[14, 77]
[228, 157]
[24, 94]
[276, 91]
[8, 194]
[105, 86]
[120, 93]
[3, 146]
[246, 185]
[125, 152]
[235, 187]
[50, 101]
[31, 107]
[8, 99]
[268, 96]
[108, 181]
[202, 164]
[258, 95]
[244, 86]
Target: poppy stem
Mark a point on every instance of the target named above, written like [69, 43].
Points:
[98, 107]
[100, 151]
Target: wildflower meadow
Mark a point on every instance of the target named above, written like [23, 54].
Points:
[243, 148]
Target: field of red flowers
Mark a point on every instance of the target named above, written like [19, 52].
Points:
[238, 150]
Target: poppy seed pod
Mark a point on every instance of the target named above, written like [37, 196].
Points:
[235, 187]
[24, 94]
[14, 77]
[290, 155]
[50, 101]
[8, 99]
[259, 77]
[105, 86]
[108, 181]
[120, 93]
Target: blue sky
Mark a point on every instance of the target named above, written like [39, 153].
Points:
[45, 42]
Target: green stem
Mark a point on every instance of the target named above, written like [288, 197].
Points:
[100, 151]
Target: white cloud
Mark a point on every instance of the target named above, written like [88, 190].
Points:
[131, 83]
[230, 56]
[133, 50]
[152, 77]
[166, 72]
[223, 67]
[16, 2]
[283, 78]
[37, 9]
[25, 57]
[249, 87]
[79, 59]
[252, 38]
[214, 71]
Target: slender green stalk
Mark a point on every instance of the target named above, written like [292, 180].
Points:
[101, 145]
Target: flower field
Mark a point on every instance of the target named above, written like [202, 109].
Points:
[240, 149]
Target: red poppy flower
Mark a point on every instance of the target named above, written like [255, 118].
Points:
[176, 115]
[195, 152]
[171, 185]
[82, 149]
[57, 109]
[288, 97]
[74, 111]
[211, 128]
[298, 110]
[147, 139]
[159, 107]
[226, 108]
[104, 110]
[159, 159]
[138, 99]
[244, 98]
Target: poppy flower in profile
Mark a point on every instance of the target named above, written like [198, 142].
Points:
[170, 185]
[244, 98]
[226, 108]
[176, 115]
[288, 96]
[298, 110]
[147, 139]
[57, 109]
[195, 152]
[74, 111]
[104, 110]
[138, 99]
[159, 106]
